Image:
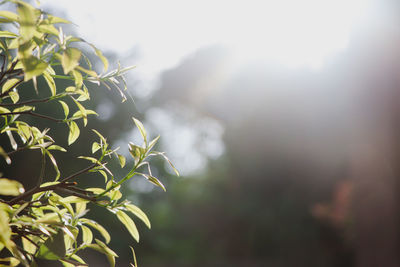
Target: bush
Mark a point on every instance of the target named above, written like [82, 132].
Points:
[49, 221]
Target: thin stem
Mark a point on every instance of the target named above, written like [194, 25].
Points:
[37, 189]
[32, 114]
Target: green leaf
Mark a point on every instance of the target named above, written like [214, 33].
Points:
[53, 248]
[11, 262]
[142, 131]
[5, 155]
[10, 187]
[98, 227]
[88, 72]
[87, 235]
[153, 143]
[101, 247]
[129, 224]
[33, 67]
[134, 257]
[54, 163]
[56, 147]
[139, 213]
[14, 96]
[50, 29]
[122, 160]
[70, 59]
[73, 132]
[9, 15]
[9, 84]
[100, 55]
[78, 78]
[5, 230]
[65, 108]
[27, 20]
[8, 34]
[53, 19]
[50, 82]
[95, 146]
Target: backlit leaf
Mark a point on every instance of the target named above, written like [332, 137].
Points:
[10, 83]
[139, 213]
[87, 235]
[70, 59]
[10, 187]
[27, 20]
[129, 224]
[98, 227]
[73, 132]
[53, 248]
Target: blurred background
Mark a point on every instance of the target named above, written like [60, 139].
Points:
[282, 117]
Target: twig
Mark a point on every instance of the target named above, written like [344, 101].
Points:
[32, 114]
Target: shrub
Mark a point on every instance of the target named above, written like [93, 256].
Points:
[49, 221]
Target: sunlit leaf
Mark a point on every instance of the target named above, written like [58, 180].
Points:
[142, 131]
[50, 82]
[53, 19]
[10, 261]
[9, 15]
[9, 84]
[87, 235]
[56, 147]
[102, 58]
[5, 230]
[5, 155]
[8, 34]
[10, 187]
[98, 227]
[53, 248]
[73, 132]
[88, 72]
[33, 67]
[101, 247]
[70, 59]
[129, 224]
[134, 257]
[95, 146]
[14, 96]
[122, 160]
[27, 20]
[139, 213]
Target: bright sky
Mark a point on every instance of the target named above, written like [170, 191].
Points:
[292, 32]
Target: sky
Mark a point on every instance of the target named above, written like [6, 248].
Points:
[295, 33]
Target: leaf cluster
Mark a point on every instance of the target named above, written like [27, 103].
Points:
[50, 221]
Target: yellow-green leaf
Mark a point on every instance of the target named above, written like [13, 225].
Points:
[10, 187]
[9, 15]
[9, 84]
[102, 58]
[73, 132]
[95, 147]
[139, 213]
[122, 160]
[87, 235]
[50, 82]
[27, 20]
[53, 248]
[14, 96]
[70, 59]
[129, 224]
[33, 67]
[8, 34]
[98, 227]
[142, 131]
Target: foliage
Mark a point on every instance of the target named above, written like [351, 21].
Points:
[49, 220]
